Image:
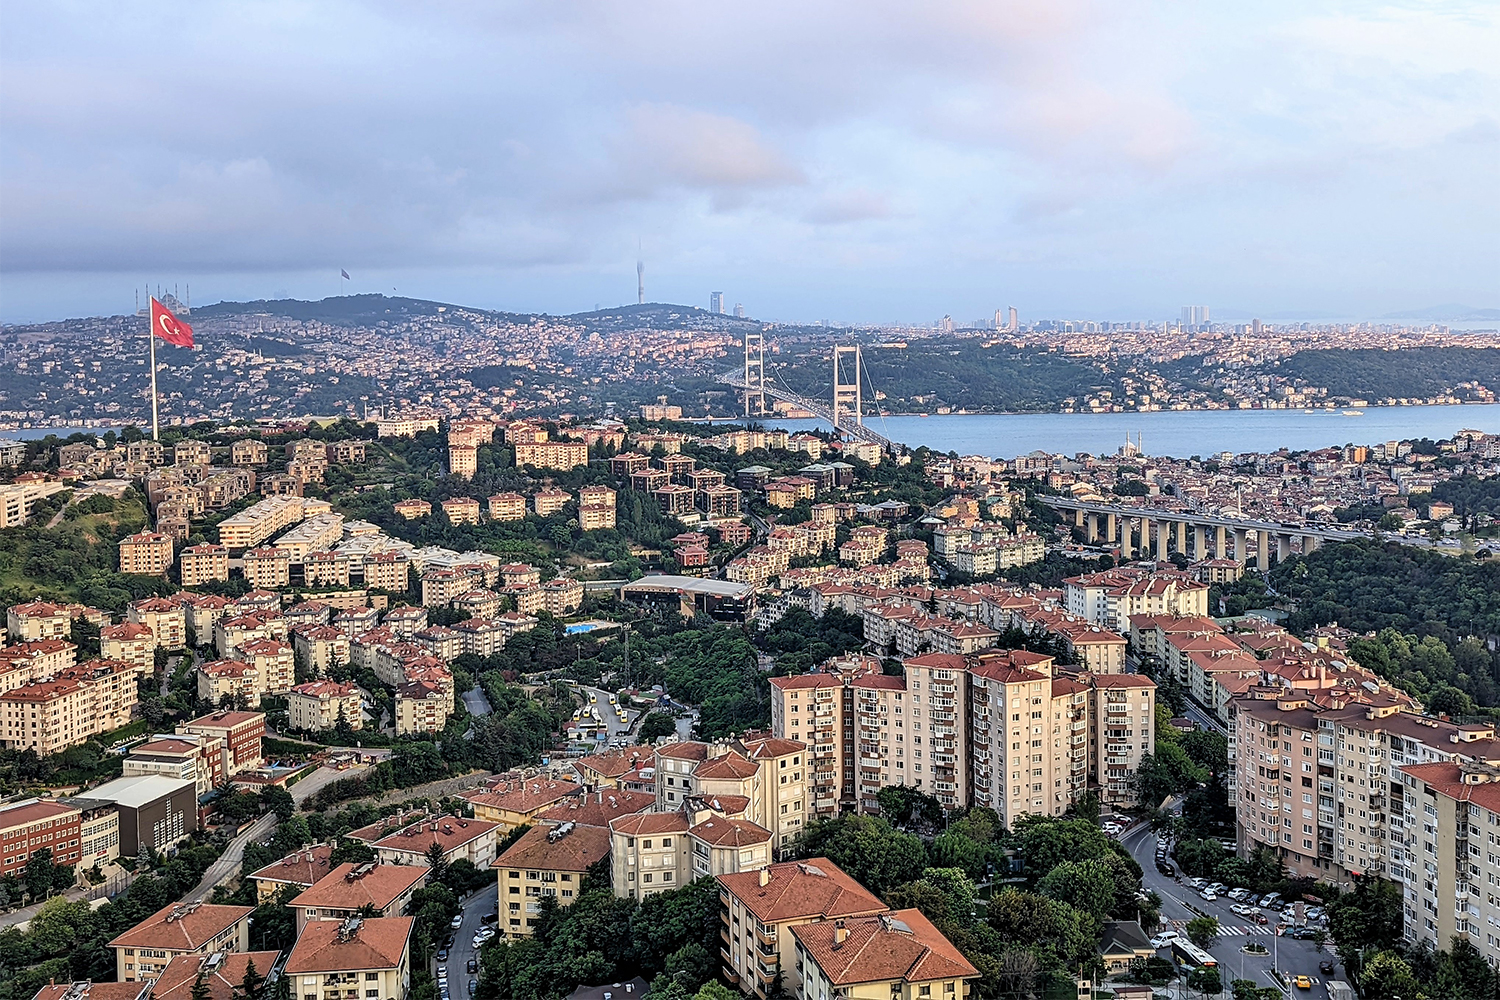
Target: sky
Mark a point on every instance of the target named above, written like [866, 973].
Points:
[863, 161]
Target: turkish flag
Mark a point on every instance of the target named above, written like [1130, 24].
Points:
[168, 327]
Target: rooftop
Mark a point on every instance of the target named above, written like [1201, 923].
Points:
[182, 926]
[302, 867]
[799, 890]
[350, 886]
[350, 945]
[901, 944]
[565, 847]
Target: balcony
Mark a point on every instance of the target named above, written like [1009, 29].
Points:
[767, 938]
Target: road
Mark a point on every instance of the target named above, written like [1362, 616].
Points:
[1295, 957]
[482, 902]
[229, 862]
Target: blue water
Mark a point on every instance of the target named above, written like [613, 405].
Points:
[1175, 433]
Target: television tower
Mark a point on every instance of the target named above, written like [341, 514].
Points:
[640, 276]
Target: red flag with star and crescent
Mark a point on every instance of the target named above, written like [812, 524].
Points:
[168, 327]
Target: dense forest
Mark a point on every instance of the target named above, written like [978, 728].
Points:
[926, 374]
[1375, 374]
[1431, 612]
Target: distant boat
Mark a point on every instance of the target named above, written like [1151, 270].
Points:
[1309, 411]
[1354, 413]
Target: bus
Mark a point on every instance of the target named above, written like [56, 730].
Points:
[1190, 955]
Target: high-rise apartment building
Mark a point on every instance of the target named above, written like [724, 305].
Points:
[1322, 786]
[716, 302]
[1450, 831]
[998, 728]
[147, 553]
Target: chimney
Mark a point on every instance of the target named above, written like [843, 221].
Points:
[765, 876]
[840, 933]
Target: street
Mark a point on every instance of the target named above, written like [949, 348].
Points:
[484, 901]
[1295, 957]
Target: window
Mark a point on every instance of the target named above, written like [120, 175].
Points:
[372, 977]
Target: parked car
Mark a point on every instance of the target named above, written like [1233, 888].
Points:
[473, 987]
[1238, 895]
[1209, 895]
[473, 965]
[1165, 867]
[1327, 966]
[442, 954]
[1198, 883]
[1241, 909]
[1302, 933]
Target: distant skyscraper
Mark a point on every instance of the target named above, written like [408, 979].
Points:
[716, 302]
[1015, 320]
[739, 310]
[1194, 317]
[999, 323]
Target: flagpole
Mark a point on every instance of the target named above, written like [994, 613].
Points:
[151, 336]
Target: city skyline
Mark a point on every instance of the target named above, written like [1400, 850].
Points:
[1285, 162]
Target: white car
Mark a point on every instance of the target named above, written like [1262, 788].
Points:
[1209, 895]
[1241, 909]
[1164, 938]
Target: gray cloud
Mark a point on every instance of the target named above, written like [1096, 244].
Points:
[512, 154]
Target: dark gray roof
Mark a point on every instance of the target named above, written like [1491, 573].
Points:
[630, 989]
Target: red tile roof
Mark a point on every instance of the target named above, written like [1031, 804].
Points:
[721, 832]
[303, 867]
[648, 824]
[524, 797]
[378, 943]
[451, 832]
[182, 927]
[800, 890]
[547, 848]
[730, 765]
[899, 945]
[224, 981]
[94, 991]
[598, 808]
[350, 886]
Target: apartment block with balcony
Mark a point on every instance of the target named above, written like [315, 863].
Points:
[1122, 730]
[1321, 786]
[550, 859]
[897, 955]
[180, 929]
[361, 958]
[759, 909]
[205, 563]
[146, 553]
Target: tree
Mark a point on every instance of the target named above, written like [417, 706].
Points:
[655, 726]
[279, 801]
[1084, 885]
[1367, 918]
[1387, 974]
[868, 849]
[1203, 931]
[252, 982]
[437, 860]
[200, 986]
[904, 806]
[1206, 981]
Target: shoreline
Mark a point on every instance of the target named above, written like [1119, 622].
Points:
[1336, 411]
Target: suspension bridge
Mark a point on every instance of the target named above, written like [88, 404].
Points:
[845, 410]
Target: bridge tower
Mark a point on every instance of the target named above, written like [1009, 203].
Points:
[846, 395]
[755, 374]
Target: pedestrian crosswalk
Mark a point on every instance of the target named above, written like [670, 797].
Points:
[1232, 930]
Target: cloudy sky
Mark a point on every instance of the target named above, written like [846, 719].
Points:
[852, 161]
